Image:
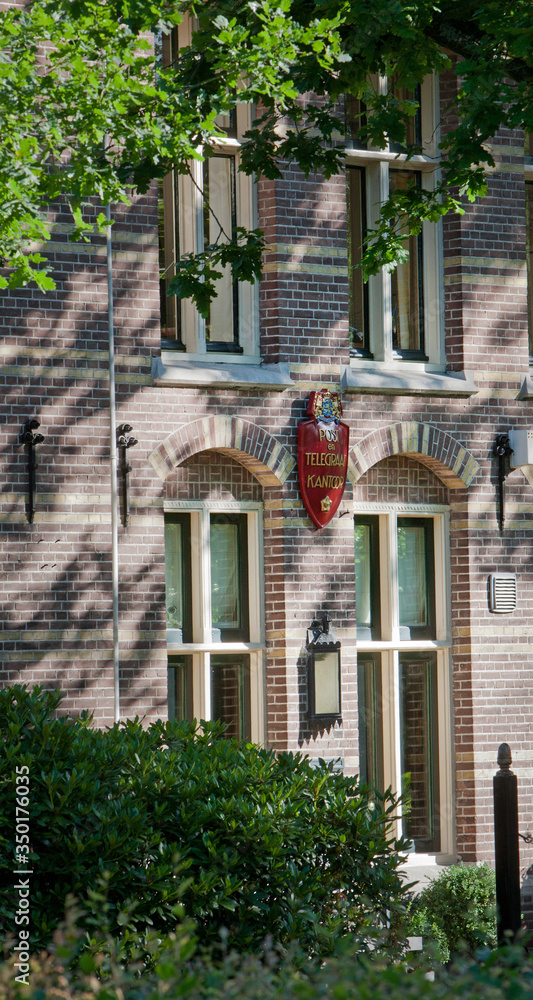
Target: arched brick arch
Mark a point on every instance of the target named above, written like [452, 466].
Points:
[442, 453]
[253, 447]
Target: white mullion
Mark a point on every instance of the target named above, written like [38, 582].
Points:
[197, 172]
[430, 115]
[206, 677]
[385, 277]
[432, 271]
[191, 240]
[204, 634]
[386, 280]
[197, 577]
[445, 743]
[255, 575]
[392, 776]
[254, 522]
[390, 626]
[380, 288]
[388, 569]
[198, 687]
[257, 697]
[201, 610]
[397, 730]
[440, 535]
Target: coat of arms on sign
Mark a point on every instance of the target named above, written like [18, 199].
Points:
[322, 456]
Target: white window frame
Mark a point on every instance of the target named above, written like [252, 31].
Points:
[202, 646]
[191, 239]
[377, 164]
[390, 645]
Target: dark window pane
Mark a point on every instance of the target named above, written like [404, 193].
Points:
[229, 577]
[180, 688]
[228, 122]
[178, 575]
[230, 694]
[354, 120]
[413, 130]
[408, 286]
[370, 712]
[416, 583]
[357, 290]
[419, 749]
[366, 544]
[169, 251]
[220, 221]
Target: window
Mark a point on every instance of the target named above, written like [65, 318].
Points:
[215, 630]
[396, 317]
[197, 210]
[403, 640]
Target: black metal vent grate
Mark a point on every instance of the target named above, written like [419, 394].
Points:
[502, 593]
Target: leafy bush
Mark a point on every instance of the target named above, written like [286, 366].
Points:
[134, 819]
[457, 910]
[180, 975]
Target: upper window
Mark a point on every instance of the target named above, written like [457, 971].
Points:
[199, 209]
[215, 632]
[395, 317]
[403, 645]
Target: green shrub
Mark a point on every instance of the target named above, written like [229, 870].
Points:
[180, 975]
[266, 844]
[457, 910]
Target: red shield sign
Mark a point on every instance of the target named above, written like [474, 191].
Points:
[322, 466]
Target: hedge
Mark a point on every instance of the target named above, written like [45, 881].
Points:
[136, 819]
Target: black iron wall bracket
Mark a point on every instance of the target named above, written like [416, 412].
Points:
[30, 439]
[124, 468]
[502, 451]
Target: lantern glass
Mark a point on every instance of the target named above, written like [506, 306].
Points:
[327, 682]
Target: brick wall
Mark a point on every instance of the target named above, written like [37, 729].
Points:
[56, 579]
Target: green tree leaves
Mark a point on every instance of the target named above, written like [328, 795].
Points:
[72, 73]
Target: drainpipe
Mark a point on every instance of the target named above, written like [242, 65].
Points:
[113, 462]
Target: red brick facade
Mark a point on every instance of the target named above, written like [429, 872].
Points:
[229, 443]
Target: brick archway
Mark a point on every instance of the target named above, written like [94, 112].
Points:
[440, 452]
[256, 449]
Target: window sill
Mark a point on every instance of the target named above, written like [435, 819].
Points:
[408, 382]
[175, 646]
[179, 372]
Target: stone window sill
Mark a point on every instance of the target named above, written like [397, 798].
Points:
[180, 372]
[408, 383]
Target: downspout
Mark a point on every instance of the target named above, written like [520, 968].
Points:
[113, 462]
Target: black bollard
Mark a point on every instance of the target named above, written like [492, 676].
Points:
[506, 847]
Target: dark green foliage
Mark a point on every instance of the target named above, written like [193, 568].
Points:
[349, 974]
[457, 910]
[137, 819]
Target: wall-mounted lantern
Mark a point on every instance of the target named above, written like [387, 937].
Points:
[30, 439]
[502, 450]
[123, 443]
[324, 668]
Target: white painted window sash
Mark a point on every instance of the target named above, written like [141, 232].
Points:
[202, 646]
[390, 646]
[378, 163]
